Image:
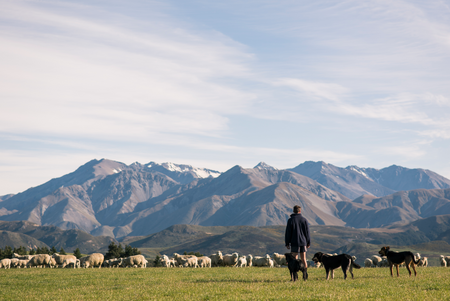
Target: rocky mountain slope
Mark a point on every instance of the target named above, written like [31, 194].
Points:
[108, 198]
[354, 181]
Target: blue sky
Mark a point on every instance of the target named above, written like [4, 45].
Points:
[221, 83]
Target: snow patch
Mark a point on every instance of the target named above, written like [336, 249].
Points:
[181, 168]
[360, 171]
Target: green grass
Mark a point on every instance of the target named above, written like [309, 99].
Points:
[219, 284]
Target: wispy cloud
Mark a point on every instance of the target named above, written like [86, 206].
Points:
[94, 78]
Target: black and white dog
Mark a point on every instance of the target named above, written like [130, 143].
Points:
[331, 263]
[295, 265]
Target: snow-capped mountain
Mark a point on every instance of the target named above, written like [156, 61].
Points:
[181, 172]
[105, 197]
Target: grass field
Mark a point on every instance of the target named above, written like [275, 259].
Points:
[432, 283]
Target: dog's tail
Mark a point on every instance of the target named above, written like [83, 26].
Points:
[355, 265]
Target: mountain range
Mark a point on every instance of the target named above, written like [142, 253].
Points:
[109, 198]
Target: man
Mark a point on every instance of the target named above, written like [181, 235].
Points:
[297, 235]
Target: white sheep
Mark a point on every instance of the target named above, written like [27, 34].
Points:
[271, 263]
[186, 260]
[375, 259]
[14, 262]
[368, 263]
[63, 260]
[24, 257]
[423, 262]
[249, 260]
[259, 261]
[242, 262]
[22, 263]
[93, 260]
[204, 262]
[135, 260]
[230, 259]
[5, 263]
[443, 261]
[447, 259]
[216, 259]
[279, 259]
[39, 260]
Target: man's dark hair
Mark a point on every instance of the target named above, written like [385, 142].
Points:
[297, 208]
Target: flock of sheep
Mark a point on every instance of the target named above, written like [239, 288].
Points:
[214, 260]
[61, 261]
[219, 259]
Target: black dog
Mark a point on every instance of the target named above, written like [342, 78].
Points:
[294, 266]
[331, 262]
[397, 258]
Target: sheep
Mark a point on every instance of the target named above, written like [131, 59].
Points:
[14, 262]
[242, 262]
[368, 263]
[384, 263]
[216, 259]
[22, 263]
[279, 259]
[259, 261]
[106, 263]
[186, 260]
[135, 260]
[5, 263]
[39, 260]
[24, 257]
[271, 263]
[417, 256]
[165, 261]
[71, 264]
[375, 259]
[204, 262]
[249, 260]
[443, 261]
[423, 262]
[53, 263]
[93, 260]
[116, 262]
[64, 260]
[230, 259]
[447, 259]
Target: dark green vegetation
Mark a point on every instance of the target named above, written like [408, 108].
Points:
[219, 284]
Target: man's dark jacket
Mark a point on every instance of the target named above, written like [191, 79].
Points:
[297, 231]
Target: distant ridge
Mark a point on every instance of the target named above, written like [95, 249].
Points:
[354, 181]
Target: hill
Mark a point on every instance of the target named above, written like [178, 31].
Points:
[22, 233]
[331, 239]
